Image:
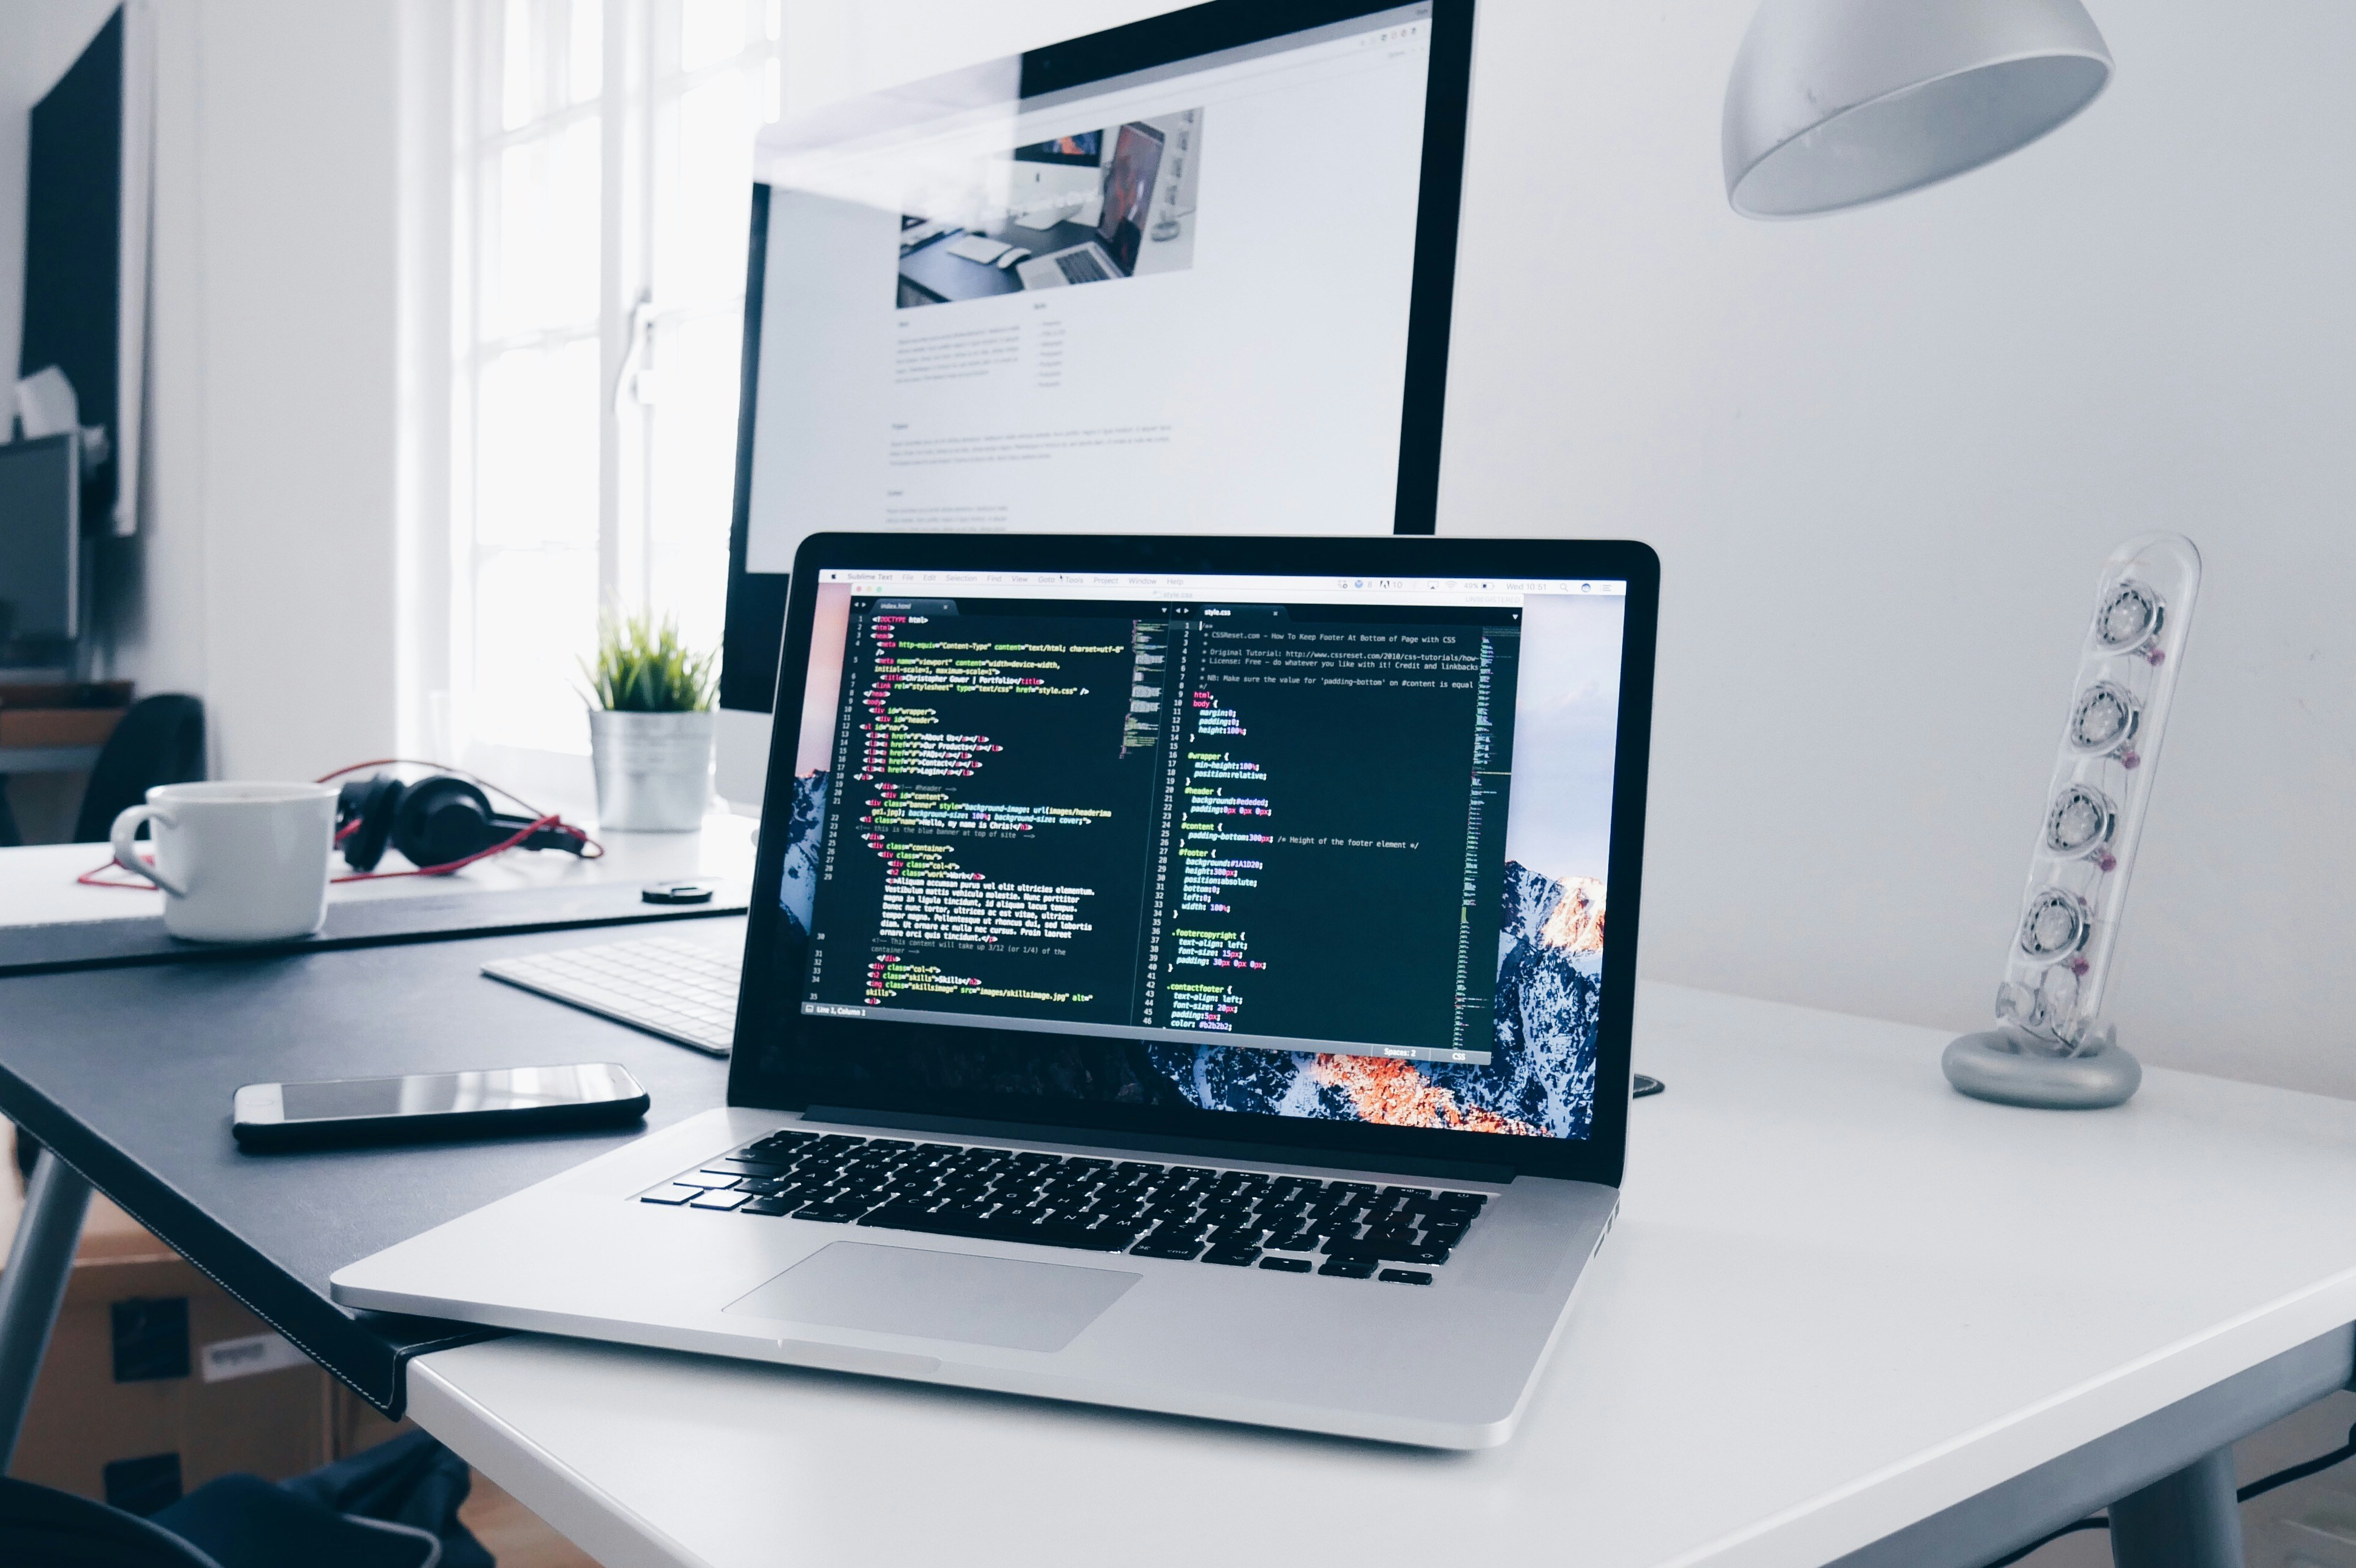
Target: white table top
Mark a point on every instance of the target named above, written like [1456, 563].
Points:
[1839, 1298]
[37, 886]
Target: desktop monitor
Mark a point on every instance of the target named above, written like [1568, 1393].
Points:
[1278, 184]
[41, 497]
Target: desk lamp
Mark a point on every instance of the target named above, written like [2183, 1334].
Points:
[2051, 1047]
[1835, 103]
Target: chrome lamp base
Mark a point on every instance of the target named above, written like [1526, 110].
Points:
[1994, 1066]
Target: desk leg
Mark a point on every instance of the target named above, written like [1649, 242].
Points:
[2189, 1520]
[38, 1263]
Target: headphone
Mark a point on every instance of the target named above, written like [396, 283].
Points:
[436, 822]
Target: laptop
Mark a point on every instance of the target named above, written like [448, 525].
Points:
[1176, 979]
[1120, 228]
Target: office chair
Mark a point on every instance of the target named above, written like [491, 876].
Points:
[58, 1530]
[161, 740]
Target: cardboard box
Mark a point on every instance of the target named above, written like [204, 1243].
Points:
[156, 1381]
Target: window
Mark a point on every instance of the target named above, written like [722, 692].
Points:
[601, 198]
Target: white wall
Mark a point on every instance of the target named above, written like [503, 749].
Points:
[1884, 454]
[263, 577]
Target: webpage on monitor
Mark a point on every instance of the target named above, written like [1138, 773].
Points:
[1173, 301]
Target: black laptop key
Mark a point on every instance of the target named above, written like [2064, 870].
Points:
[744, 1166]
[1388, 1252]
[1285, 1265]
[996, 1228]
[773, 1207]
[1405, 1276]
[828, 1213]
[1349, 1269]
[1176, 1248]
[1234, 1257]
[1109, 1233]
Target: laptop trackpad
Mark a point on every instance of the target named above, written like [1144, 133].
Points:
[1004, 1302]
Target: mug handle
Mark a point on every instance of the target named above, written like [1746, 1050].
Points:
[126, 854]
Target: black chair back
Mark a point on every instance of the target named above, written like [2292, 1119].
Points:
[57, 1529]
[161, 740]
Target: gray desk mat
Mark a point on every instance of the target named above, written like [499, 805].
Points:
[424, 917]
[127, 1073]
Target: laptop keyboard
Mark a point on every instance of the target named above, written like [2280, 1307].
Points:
[659, 984]
[1240, 1218]
[1080, 267]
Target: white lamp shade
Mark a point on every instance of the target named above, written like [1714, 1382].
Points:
[1834, 104]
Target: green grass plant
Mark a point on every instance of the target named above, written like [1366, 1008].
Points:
[643, 667]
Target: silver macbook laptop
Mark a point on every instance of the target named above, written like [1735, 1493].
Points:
[1129, 185]
[1176, 978]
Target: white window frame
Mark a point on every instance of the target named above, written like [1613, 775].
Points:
[452, 135]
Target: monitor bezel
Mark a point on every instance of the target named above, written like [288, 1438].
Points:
[756, 601]
[777, 1064]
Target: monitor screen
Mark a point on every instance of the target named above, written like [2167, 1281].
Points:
[1175, 277]
[40, 499]
[1305, 847]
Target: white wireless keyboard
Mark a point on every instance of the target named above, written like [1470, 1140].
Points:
[659, 984]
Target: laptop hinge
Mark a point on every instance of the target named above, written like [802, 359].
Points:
[1155, 1143]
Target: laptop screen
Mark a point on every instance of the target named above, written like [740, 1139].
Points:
[1128, 189]
[1314, 847]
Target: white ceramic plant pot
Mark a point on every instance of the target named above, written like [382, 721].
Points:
[654, 769]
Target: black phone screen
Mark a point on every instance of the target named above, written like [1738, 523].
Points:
[446, 1093]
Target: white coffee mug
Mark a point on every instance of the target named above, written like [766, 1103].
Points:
[238, 862]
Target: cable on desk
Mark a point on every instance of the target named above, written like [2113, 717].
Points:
[98, 877]
[2300, 1472]
[2093, 1521]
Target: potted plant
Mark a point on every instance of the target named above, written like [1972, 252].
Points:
[649, 726]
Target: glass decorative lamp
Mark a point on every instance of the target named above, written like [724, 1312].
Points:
[2051, 1047]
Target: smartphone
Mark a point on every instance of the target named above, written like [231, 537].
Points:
[488, 1104]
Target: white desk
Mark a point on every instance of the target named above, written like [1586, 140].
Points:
[1841, 1299]
[37, 886]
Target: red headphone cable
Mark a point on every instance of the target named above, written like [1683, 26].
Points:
[591, 850]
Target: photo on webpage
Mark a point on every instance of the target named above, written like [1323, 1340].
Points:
[1088, 207]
